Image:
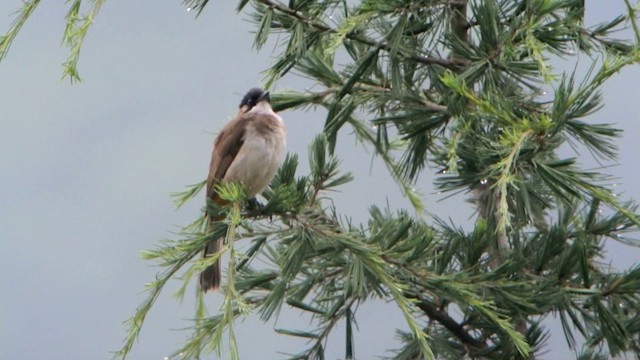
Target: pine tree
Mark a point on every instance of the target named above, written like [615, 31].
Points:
[465, 87]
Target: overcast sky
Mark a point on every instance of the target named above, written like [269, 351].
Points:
[87, 170]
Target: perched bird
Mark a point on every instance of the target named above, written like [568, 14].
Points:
[249, 149]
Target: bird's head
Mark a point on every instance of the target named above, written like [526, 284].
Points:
[252, 98]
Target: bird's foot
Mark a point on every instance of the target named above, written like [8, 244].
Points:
[254, 206]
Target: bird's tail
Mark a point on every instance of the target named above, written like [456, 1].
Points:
[211, 277]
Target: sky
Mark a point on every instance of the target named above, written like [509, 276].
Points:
[87, 170]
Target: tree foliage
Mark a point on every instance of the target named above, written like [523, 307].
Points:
[467, 87]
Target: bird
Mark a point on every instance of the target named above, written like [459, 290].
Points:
[248, 150]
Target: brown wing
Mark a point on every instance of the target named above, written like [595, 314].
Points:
[225, 148]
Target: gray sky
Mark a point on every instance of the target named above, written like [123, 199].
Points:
[88, 169]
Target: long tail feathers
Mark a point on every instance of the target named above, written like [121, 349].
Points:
[211, 277]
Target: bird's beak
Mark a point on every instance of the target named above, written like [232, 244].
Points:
[265, 97]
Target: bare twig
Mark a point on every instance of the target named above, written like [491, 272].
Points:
[448, 322]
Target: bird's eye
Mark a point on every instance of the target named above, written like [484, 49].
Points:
[250, 103]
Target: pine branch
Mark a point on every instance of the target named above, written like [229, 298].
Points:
[477, 115]
[317, 26]
[74, 35]
[28, 7]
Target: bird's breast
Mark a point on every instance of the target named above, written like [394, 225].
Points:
[260, 156]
